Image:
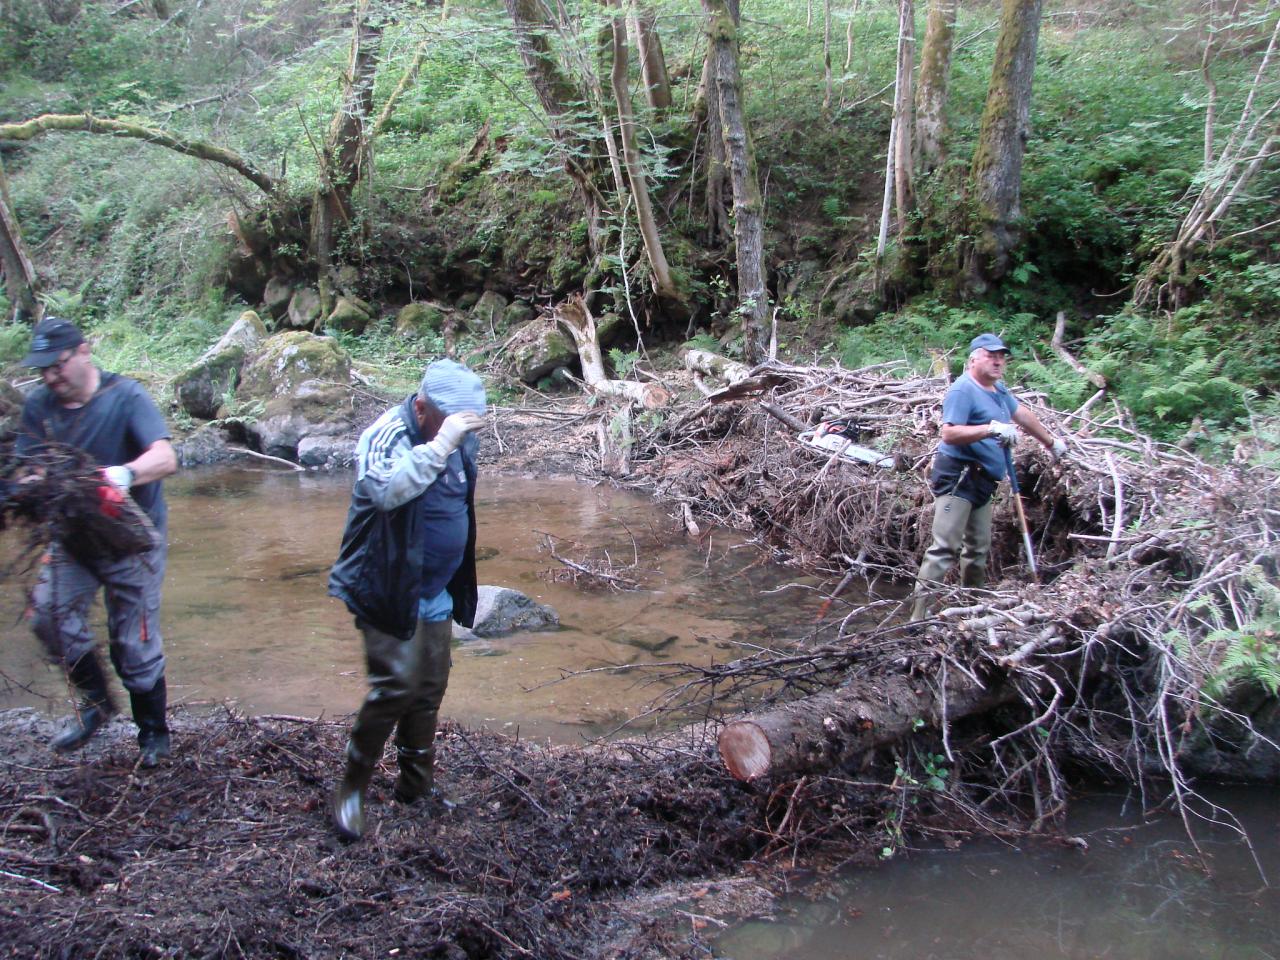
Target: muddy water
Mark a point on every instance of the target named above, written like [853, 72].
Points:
[247, 619]
[1135, 890]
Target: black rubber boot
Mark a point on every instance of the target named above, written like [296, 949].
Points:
[153, 731]
[95, 707]
[348, 796]
[416, 753]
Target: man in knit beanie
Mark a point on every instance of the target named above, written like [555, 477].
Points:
[406, 570]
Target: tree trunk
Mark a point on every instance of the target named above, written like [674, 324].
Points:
[653, 63]
[579, 323]
[828, 730]
[558, 95]
[902, 112]
[662, 282]
[995, 179]
[748, 204]
[346, 159]
[931, 92]
[88, 123]
[21, 284]
[719, 189]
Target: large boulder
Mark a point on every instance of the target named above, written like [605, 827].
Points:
[304, 308]
[276, 297]
[202, 387]
[500, 611]
[420, 318]
[301, 380]
[540, 347]
[486, 315]
[350, 314]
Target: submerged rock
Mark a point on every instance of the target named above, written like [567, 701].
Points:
[501, 611]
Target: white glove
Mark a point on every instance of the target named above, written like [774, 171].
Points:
[1006, 433]
[121, 476]
[455, 427]
[1059, 449]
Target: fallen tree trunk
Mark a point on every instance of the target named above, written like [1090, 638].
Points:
[827, 730]
[577, 320]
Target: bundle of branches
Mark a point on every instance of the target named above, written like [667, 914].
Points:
[59, 494]
[1151, 647]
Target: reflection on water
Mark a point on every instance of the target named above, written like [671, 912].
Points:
[247, 619]
[1138, 892]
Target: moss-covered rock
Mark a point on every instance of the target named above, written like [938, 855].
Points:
[540, 348]
[420, 318]
[304, 308]
[299, 380]
[350, 314]
[202, 387]
[486, 315]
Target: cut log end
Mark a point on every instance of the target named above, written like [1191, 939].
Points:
[745, 750]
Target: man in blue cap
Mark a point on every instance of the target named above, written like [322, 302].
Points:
[980, 420]
[406, 570]
[113, 419]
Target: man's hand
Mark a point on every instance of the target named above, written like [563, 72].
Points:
[1006, 433]
[120, 476]
[456, 426]
[1059, 449]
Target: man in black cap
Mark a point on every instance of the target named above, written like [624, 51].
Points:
[113, 419]
[980, 420]
[406, 570]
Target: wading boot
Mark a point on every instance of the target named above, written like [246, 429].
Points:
[348, 796]
[95, 707]
[153, 731]
[416, 754]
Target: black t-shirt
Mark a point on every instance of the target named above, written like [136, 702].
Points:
[118, 423]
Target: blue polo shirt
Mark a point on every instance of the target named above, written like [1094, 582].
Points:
[969, 404]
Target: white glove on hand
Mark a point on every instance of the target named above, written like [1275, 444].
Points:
[455, 427]
[1006, 433]
[1059, 449]
[120, 476]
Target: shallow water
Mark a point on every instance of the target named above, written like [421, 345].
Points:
[247, 619]
[1138, 891]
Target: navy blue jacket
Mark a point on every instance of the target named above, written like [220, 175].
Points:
[378, 574]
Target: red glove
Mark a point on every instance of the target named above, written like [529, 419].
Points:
[110, 498]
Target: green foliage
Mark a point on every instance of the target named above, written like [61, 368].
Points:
[623, 361]
[1250, 654]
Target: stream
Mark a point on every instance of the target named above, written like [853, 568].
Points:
[247, 621]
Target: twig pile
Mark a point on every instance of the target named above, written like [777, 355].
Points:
[228, 850]
[1159, 566]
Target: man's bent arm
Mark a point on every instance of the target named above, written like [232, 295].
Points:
[392, 481]
[154, 463]
[1029, 422]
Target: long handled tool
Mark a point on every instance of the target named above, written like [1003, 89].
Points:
[1022, 517]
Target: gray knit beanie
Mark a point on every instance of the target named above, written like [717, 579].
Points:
[452, 387]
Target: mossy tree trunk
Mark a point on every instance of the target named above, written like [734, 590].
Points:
[718, 189]
[20, 282]
[86, 122]
[653, 63]
[563, 100]
[904, 125]
[346, 158]
[748, 203]
[995, 177]
[662, 282]
[931, 89]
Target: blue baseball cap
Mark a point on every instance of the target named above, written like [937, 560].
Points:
[988, 341]
[51, 337]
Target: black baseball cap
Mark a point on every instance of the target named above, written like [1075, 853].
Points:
[51, 337]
